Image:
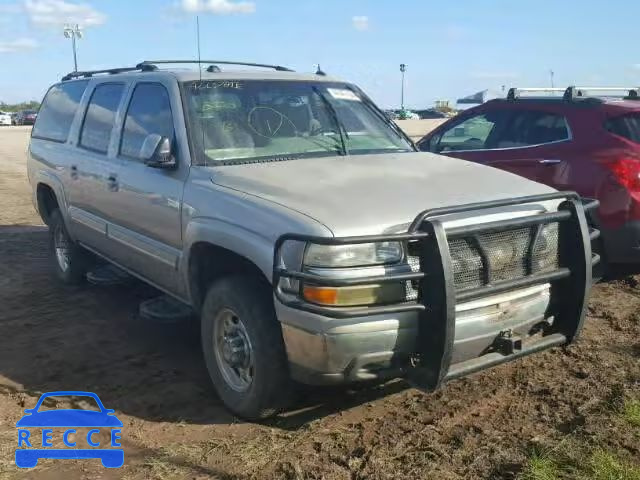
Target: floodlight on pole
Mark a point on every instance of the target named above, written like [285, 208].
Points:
[403, 68]
[73, 32]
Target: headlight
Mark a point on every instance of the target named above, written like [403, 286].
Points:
[356, 255]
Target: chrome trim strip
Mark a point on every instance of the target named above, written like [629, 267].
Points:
[88, 220]
[144, 245]
[568, 139]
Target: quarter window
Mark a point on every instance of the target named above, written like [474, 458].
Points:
[149, 113]
[627, 126]
[100, 117]
[58, 111]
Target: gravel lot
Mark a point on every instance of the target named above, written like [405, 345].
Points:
[487, 426]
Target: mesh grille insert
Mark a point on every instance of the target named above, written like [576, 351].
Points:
[507, 252]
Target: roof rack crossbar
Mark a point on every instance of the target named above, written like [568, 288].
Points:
[631, 93]
[574, 92]
[514, 93]
[110, 71]
[279, 68]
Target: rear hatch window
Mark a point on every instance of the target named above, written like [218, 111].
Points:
[627, 126]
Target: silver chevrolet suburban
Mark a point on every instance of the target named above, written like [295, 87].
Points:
[304, 229]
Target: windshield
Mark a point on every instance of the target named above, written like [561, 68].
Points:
[235, 120]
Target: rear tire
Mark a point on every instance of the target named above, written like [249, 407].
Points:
[243, 347]
[70, 261]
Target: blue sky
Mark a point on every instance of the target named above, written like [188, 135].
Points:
[452, 48]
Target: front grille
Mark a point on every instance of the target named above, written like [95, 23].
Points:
[508, 254]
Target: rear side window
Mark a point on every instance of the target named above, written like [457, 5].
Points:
[100, 117]
[149, 112]
[528, 128]
[627, 126]
[58, 110]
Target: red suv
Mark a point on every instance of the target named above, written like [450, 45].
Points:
[576, 142]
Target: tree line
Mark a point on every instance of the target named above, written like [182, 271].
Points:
[16, 107]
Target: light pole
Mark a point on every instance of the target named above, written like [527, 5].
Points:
[73, 32]
[551, 74]
[403, 68]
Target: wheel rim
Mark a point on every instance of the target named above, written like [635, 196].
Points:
[61, 247]
[233, 350]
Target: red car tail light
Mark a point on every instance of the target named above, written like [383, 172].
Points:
[627, 172]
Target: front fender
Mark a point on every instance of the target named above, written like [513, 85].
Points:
[249, 244]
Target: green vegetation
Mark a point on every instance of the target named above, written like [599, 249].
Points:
[16, 107]
[631, 412]
[540, 467]
[568, 462]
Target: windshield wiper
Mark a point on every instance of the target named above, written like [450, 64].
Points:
[344, 135]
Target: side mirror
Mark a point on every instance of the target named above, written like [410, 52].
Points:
[156, 152]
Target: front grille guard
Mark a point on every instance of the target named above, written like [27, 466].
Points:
[571, 282]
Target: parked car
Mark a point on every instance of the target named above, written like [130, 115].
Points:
[430, 113]
[14, 116]
[391, 114]
[26, 117]
[304, 229]
[5, 118]
[573, 142]
[406, 115]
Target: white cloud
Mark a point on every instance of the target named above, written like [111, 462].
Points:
[58, 12]
[360, 22]
[495, 75]
[218, 7]
[18, 45]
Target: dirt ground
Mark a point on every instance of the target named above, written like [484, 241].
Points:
[486, 426]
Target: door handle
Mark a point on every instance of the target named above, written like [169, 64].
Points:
[550, 161]
[112, 183]
[74, 172]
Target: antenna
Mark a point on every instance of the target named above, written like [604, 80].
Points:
[198, 34]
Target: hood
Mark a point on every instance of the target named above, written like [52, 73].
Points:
[371, 194]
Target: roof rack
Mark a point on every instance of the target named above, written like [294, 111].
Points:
[514, 93]
[111, 71]
[150, 66]
[222, 62]
[572, 93]
[632, 93]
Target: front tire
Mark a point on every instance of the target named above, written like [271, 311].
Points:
[70, 261]
[243, 347]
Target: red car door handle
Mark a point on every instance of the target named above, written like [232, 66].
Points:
[549, 161]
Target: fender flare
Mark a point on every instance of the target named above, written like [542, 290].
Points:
[255, 247]
[46, 177]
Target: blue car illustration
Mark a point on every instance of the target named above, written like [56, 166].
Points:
[68, 418]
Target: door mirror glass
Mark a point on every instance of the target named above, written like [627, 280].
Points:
[156, 152]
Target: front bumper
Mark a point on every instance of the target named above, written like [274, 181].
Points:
[381, 348]
[447, 332]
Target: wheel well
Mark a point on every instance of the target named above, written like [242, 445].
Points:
[208, 263]
[47, 201]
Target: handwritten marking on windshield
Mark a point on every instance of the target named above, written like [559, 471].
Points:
[267, 129]
[205, 85]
